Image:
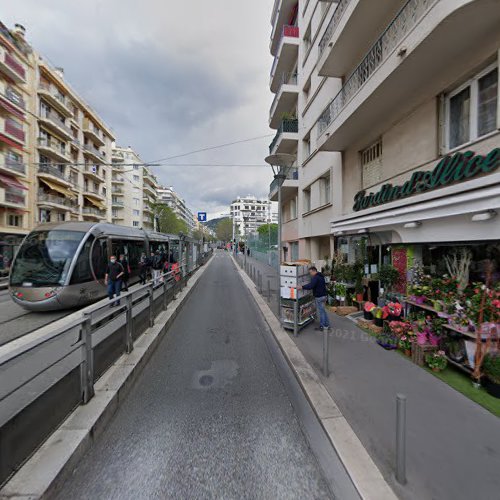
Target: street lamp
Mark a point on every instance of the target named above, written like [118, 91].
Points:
[281, 164]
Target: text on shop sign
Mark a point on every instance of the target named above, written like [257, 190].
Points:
[453, 168]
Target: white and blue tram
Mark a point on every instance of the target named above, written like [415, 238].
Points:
[62, 265]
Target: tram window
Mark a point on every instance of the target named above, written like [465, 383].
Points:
[136, 248]
[82, 273]
[100, 258]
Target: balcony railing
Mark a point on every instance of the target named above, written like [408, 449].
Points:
[93, 169]
[288, 31]
[53, 92]
[293, 174]
[14, 129]
[118, 203]
[286, 79]
[407, 18]
[92, 191]
[47, 143]
[332, 25]
[53, 170]
[15, 196]
[287, 126]
[44, 197]
[15, 98]
[14, 165]
[93, 150]
[54, 118]
[93, 211]
[117, 190]
[17, 67]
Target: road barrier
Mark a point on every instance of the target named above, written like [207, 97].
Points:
[43, 378]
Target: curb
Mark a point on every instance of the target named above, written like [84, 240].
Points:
[360, 467]
[47, 469]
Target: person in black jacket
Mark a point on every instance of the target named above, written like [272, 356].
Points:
[143, 268]
[318, 287]
[113, 279]
[126, 272]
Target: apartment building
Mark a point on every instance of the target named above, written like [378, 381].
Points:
[133, 190]
[15, 148]
[172, 199]
[301, 94]
[397, 126]
[249, 213]
[416, 118]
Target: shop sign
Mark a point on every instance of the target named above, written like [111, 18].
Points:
[452, 168]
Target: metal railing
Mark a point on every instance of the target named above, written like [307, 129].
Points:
[14, 165]
[332, 25]
[56, 146]
[58, 200]
[93, 211]
[53, 170]
[63, 364]
[59, 122]
[287, 126]
[14, 97]
[14, 196]
[54, 93]
[407, 18]
[286, 79]
[93, 150]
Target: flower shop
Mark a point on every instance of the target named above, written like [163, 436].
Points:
[438, 304]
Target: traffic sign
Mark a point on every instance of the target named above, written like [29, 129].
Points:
[202, 216]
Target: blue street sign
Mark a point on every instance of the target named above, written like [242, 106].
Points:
[202, 216]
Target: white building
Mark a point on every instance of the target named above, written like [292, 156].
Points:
[169, 197]
[249, 213]
[133, 190]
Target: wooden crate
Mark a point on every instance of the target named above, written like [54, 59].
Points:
[418, 352]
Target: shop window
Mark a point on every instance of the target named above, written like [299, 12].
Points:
[371, 164]
[471, 109]
[15, 220]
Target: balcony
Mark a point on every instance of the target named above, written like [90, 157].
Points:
[92, 193]
[92, 132]
[12, 101]
[117, 203]
[93, 172]
[51, 200]
[11, 67]
[149, 179]
[341, 47]
[52, 121]
[118, 216]
[93, 213]
[286, 138]
[148, 209]
[12, 130]
[93, 152]
[12, 198]
[286, 56]
[282, 12]
[285, 100]
[117, 156]
[149, 189]
[54, 149]
[11, 166]
[52, 95]
[117, 191]
[289, 188]
[53, 173]
[418, 55]
[117, 180]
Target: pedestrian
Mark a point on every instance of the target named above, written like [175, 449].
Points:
[318, 287]
[248, 252]
[126, 272]
[157, 264]
[143, 268]
[113, 279]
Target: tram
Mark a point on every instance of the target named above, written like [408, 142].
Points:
[62, 265]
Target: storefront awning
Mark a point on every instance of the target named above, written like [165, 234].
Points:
[12, 182]
[60, 189]
[95, 202]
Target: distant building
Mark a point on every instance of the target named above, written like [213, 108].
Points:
[169, 197]
[133, 190]
[249, 213]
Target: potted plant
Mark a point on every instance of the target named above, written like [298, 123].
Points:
[395, 309]
[436, 361]
[387, 341]
[379, 313]
[491, 368]
[358, 280]
[405, 344]
[368, 309]
[388, 276]
[340, 291]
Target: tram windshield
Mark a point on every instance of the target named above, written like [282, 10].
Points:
[45, 257]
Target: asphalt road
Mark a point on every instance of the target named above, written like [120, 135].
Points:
[208, 417]
[16, 321]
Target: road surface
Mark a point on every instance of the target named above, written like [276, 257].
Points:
[208, 417]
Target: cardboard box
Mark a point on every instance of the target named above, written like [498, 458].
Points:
[294, 270]
[292, 293]
[294, 281]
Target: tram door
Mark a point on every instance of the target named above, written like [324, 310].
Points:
[132, 250]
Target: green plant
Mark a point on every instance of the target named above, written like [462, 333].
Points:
[436, 361]
[340, 290]
[388, 275]
[358, 271]
[491, 367]
[288, 116]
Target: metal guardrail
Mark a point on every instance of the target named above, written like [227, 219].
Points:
[407, 18]
[43, 379]
[332, 25]
[287, 126]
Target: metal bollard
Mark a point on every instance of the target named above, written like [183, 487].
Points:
[165, 297]
[259, 282]
[269, 290]
[295, 318]
[87, 367]
[401, 438]
[129, 327]
[151, 306]
[325, 352]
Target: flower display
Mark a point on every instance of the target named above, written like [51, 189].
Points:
[394, 308]
[369, 306]
[437, 361]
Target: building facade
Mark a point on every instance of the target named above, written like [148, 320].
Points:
[248, 213]
[169, 197]
[133, 190]
[397, 126]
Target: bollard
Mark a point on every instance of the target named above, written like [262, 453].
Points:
[401, 438]
[259, 281]
[295, 318]
[165, 298]
[325, 352]
[269, 290]
[87, 367]
[151, 306]
[129, 327]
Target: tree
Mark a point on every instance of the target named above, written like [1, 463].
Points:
[168, 221]
[268, 234]
[198, 234]
[224, 229]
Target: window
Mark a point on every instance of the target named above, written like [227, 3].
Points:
[307, 199]
[15, 220]
[136, 202]
[471, 110]
[324, 190]
[135, 223]
[61, 217]
[371, 164]
[293, 208]
[306, 145]
[44, 215]
[136, 178]
[136, 213]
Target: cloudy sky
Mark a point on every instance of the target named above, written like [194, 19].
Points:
[169, 77]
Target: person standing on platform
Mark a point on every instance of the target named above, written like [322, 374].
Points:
[126, 272]
[318, 287]
[143, 269]
[113, 279]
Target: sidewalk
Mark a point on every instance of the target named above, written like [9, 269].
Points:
[453, 444]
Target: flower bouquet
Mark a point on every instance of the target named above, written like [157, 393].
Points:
[436, 361]
[380, 313]
[394, 310]
[368, 309]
